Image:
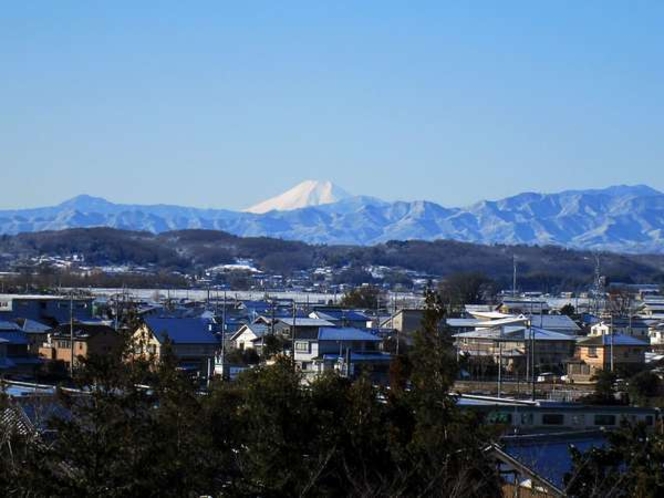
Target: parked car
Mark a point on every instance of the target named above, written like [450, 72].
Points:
[547, 377]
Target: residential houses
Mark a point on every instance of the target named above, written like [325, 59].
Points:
[193, 341]
[89, 338]
[342, 317]
[404, 323]
[514, 346]
[606, 352]
[347, 350]
[656, 335]
[530, 306]
[46, 309]
[19, 359]
[249, 336]
[635, 327]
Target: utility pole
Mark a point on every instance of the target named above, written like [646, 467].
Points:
[513, 275]
[116, 311]
[611, 342]
[532, 359]
[394, 312]
[500, 361]
[71, 333]
[223, 339]
[293, 332]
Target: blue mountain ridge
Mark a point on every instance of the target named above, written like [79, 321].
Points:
[618, 218]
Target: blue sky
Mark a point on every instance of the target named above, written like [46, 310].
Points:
[223, 104]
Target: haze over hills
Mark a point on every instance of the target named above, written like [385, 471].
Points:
[620, 218]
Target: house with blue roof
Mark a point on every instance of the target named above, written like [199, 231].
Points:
[342, 317]
[249, 336]
[5, 363]
[19, 358]
[514, 345]
[46, 309]
[194, 341]
[346, 350]
[607, 352]
[634, 326]
[300, 326]
[37, 332]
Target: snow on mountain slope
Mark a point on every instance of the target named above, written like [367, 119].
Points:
[622, 218]
[306, 194]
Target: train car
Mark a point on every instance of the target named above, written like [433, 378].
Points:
[545, 416]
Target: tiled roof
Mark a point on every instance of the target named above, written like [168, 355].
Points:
[34, 327]
[306, 322]
[359, 357]
[540, 335]
[554, 322]
[83, 329]
[616, 339]
[182, 330]
[14, 336]
[8, 326]
[258, 329]
[339, 315]
[345, 334]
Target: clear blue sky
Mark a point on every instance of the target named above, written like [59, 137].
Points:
[223, 104]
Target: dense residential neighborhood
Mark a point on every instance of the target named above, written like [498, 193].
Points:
[516, 353]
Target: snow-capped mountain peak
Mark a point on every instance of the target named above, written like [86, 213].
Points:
[307, 194]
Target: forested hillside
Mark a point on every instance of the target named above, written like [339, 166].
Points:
[193, 250]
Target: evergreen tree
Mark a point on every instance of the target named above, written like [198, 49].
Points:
[630, 465]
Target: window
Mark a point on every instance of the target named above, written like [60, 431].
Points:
[649, 420]
[80, 346]
[604, 419]
[499, 418]
[592, 351]
[578, 419]
[302, 347]
[553, 419]
[526, 419]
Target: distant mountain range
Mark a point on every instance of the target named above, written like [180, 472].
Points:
[619, 218]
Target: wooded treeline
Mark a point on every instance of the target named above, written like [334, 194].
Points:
[546, 268]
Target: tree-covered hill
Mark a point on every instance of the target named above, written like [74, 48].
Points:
[194, 250]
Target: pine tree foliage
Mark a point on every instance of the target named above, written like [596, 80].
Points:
[630, 465]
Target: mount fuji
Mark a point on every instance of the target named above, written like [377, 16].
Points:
[307, 194]
[620, 218]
